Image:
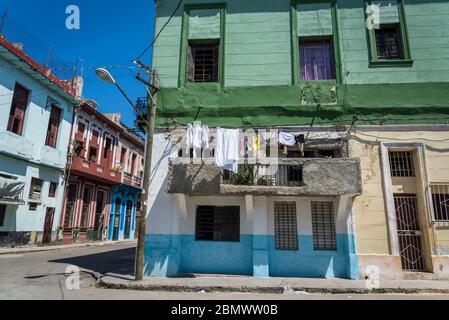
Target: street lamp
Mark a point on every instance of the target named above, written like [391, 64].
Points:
[106, 76]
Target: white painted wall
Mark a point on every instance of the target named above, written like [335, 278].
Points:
[43, 162]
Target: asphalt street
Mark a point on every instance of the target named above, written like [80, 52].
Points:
[45, 275]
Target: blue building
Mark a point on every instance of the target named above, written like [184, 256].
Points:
[37, 115]
[124, 203]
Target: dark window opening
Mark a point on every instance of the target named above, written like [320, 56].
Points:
[35, 189]
[316, 60]
[202, 63]
[312, 153]
[387, 43]
[323, 226]
[32, 206]
[93, 154]
[218, 223]
[2, 214]
[18, 109]
[107, 148]
[53, 127]
[285, 226]
[52, 190]
[123, 156]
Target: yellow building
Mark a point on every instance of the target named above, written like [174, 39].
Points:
[401, 220]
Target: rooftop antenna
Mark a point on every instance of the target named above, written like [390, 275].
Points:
[47, 63]
[3, 20]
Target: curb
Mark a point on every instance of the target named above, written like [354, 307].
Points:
[263, 290]
[59, 247]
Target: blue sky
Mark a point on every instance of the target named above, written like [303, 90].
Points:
[112, 33]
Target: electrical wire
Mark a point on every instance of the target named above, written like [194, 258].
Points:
[159, 33]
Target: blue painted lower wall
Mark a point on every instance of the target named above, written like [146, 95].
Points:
[171, 255]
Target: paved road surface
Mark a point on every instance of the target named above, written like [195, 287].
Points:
[42, 275]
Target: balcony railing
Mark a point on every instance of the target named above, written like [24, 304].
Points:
[131, 180]
[127, 178]
[82, 166]
[264, 175]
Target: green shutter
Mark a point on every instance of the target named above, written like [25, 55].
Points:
[204, 24]
[314, 19]
[389, 12]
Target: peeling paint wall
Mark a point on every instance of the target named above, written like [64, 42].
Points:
[370, 213]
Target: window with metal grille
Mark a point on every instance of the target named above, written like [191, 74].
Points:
[323, 225]
[202, 63]
[217, 223]
[285, 226]
[387, 43]
[2, 214]
[401, 163]
[316, 60]
[440, 197]
[35, 189]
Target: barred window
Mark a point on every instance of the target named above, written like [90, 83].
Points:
[285, 226]
[323, 225]
[401, 163]
[202, 63]
[217, 223]
[387, 42]
[440, 197]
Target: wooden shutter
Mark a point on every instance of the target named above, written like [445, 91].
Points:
[18, 109]
[53, 127]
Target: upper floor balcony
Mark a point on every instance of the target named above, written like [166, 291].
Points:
[92, 169]
[288, 177]
[132, 180]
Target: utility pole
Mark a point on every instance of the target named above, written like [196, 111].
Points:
[151, 117]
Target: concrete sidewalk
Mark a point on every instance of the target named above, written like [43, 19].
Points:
[30, 249]
[202, 283]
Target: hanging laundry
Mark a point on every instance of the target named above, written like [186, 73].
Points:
[287, 139]
[205, 137]
[227, 149]
[197, 138]
[256, 143]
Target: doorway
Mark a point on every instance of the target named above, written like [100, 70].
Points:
[128, 217]
[99, 216]
[409, 233]
[116, 225]
[48, 225]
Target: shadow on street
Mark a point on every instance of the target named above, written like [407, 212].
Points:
[115, 263]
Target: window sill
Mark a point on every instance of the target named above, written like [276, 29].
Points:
[329, 82]
[391, 63]
[203, 84]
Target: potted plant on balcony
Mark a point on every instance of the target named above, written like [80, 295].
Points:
[117, 168]
[244, 178]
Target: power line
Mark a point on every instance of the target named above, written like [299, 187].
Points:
[159, 33]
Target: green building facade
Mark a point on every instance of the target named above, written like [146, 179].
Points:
[259, 67]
